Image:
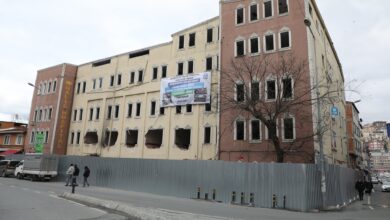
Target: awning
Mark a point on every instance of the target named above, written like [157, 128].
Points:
[9, 152]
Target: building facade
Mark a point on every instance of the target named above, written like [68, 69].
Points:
[50, 109]
[355, 138]
[12, 137]
[254, 31]
[117, 108]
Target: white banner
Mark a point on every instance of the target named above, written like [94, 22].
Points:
[184, 90]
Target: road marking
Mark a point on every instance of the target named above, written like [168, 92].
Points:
[51, 192]
[385, 206]
[37, 191]
[372, 208]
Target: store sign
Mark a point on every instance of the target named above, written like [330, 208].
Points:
[186, 90]
[334, 112]
[39, 140]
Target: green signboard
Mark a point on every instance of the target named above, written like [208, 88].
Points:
[39, 140]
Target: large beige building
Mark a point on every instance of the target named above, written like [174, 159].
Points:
[116, 108]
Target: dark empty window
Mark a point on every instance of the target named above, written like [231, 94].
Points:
[188, 108]
[109, 112]
[78, 88]
[207, 107]
[240, 51]
[81, 115]
[181, 42]
[84, 86]
[283, 6]
[164, 71]
[178, 109]
[209, 35]
[162, 110]
[285, 39]
[74, 115]
[255, 91]
[129, 110]
[191, 42]
[255, 45]
[91, 114]
[119, 79]
[272, 131]
[269, 42]
[209, 63]
[288, 128]
[54, 86]
[271, 89]
[110, 138]
[71, 137]
[240, 126]
[153, 108]
[132, 77]
[138, 110]
[180, 68]
[240, 16]
[255, 129]
[91, 138]
[116, 115]
[131, 138]
[97, 113]
[140, 75]
[112, 78]
[78, 138]
[207, 135]
[153, 139]
[287, 88]
[267, 9]
[183, 138]
[254, 13]
[240, 92]
[155, 73]
[190, 66]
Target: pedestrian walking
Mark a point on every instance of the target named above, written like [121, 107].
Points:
[75, 175]
[359, 186]
[69, 174]
[86, 173]
[368, 185]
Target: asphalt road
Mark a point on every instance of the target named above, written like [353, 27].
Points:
[20, 201]
[379, 209]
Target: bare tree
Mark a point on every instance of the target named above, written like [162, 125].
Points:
[270, 88]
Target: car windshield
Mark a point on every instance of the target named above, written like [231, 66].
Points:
[14, 163]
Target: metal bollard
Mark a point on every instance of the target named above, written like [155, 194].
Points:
[206, 196]
[233, 197]
[214, 194]
[251, 198]
[242, 201]
[198, 195]
[274, 201]
[284, 202]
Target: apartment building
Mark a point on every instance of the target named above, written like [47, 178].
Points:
[355, 138]
[255, 35]
[118, 109]
[50, 110]
[12, 137]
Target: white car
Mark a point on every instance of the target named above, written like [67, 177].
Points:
[386, 186]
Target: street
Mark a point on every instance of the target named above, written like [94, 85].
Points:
[38, 200]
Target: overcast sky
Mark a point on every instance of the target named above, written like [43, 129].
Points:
[42, 33]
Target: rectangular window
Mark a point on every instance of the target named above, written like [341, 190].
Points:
[240, 16]
[46, 137]
[54, 86]
[84, 86]
[207, 107]
[162, 110]
[97, 113]
[178, 109]
[35, 115]
[72, 137]
[155, 73]
[19, 140]
[240, 92]
[91, 114]
[116, 115]
[93, 84]
[268, 9]
[188, 108]
[50, 113]
[78, 138]
[288, 128]
[240, 48]
[75, 115]
[207, 135]
[119, 79]
[209, 35]
[7, 140]
[254, 45]
[112, 79]
[240, 130]
[190, 67]
[271, 132]
[81, 115]
[138, 110]
[255, 91]
[49, 87]
[255, 130]
[78, 88]
[287, 88]
[269, 42]
[140, 75]
[153, 108]
[271, 89]
[180, 68]
[181, 42]
[191, 42]
[109, 112]
[283, 6]
[209, 63]
[254, 12]
[132, 77]
[285, 39]
[100, 82]
[129, 110]
[164, 71]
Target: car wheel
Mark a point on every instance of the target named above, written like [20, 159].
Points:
[3, 174]
[19, 176]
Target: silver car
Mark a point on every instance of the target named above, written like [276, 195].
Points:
[386, 186]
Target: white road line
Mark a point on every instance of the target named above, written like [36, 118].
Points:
[37, 191]
[372, 208]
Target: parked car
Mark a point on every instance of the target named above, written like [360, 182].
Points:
[374, 180]
[386, 186]
[7, 167]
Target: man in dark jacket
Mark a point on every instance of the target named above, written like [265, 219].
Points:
[86, 175]
[75, 175]
[369, 187]
[359, 186]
